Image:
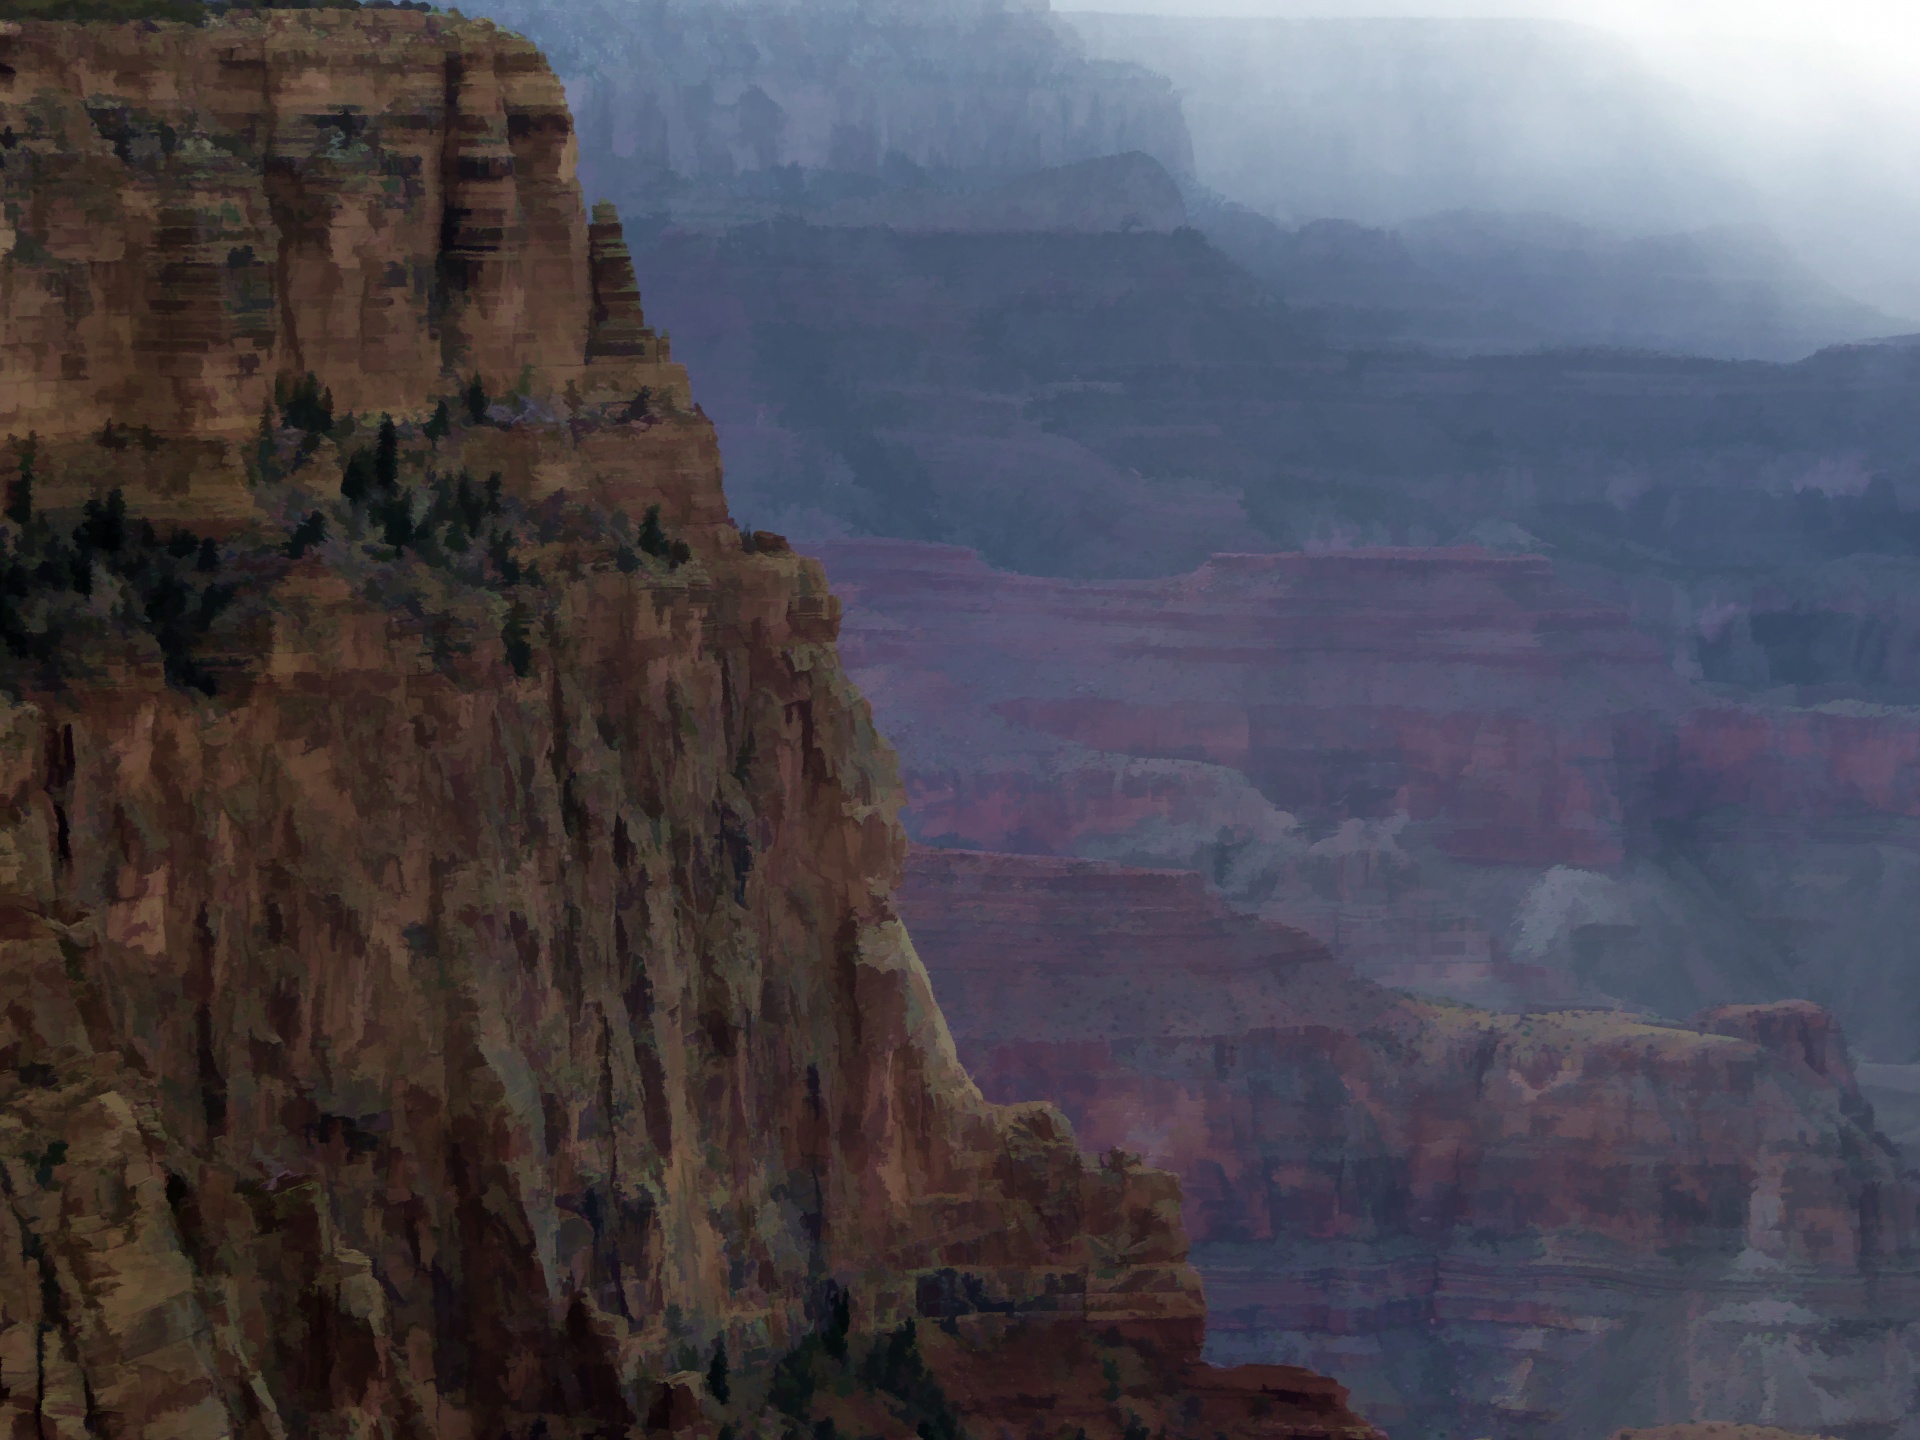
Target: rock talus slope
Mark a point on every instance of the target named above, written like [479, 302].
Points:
[486, 997]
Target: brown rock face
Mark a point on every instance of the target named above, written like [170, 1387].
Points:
[1550, 1224]
[196, 212]
[490, 997]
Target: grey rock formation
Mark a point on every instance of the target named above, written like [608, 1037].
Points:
[727, 111]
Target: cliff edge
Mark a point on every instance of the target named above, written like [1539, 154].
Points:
[450, 982]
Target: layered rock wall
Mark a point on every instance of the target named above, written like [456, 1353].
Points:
[1554, 1224]
[485, 999]
[1437, 680]
[1459, 774]
[194, 213]
[1350, 742]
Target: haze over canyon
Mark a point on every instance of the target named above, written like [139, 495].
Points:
[1279, 801]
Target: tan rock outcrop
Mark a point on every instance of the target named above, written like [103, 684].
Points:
[196, 212]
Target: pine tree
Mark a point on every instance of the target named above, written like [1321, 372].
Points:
[652, 539]
[386, 455]
[266, 449]
[357, 480]
[513, 638]
[308, 533]
[20, 490]
[308, 407]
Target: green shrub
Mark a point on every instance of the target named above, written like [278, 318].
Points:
[513, 639]
[791, 1392]
[653, 541]
[394, 515]
[840, 1308]
[43, 1164]
[165, 588]
[358, 477]
[386, 454]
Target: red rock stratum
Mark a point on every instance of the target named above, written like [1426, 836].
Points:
[1556, 1223]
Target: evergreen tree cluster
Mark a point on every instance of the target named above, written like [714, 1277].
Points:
[405, 505]
[69, 590]
[892, 1369]
[170, 588]
[444, 519]
[895, 1366]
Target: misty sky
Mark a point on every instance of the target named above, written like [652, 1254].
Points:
[1814, 104]
[1868, 21]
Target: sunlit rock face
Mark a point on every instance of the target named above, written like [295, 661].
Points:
[449, 980]
[1552, 1224]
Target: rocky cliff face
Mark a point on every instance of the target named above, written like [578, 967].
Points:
[450, 979]
[1552, 1224]
[1470, 782]
[379, 199]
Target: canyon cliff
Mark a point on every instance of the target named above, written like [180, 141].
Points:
[451, 984]
[1551, 1224]
[1175, 817]
[1126, 405]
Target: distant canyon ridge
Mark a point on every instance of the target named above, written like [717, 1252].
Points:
[1405, 681]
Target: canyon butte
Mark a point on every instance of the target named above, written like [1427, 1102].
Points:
[1226, 865]
[451, 979]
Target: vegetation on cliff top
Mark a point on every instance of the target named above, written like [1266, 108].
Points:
[87, 592]
[68, 589]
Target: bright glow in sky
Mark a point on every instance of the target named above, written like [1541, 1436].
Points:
[1852, 22]
[1817, 102]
